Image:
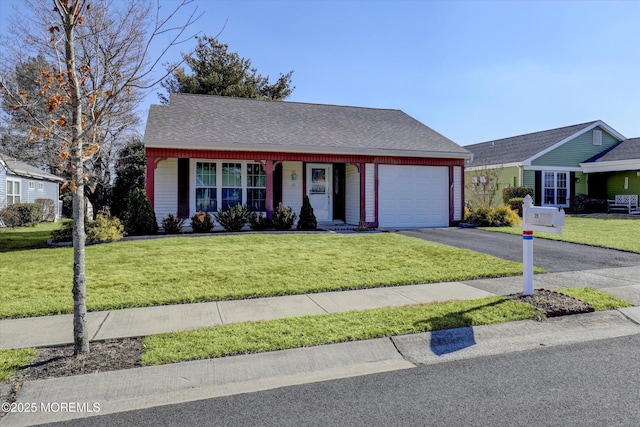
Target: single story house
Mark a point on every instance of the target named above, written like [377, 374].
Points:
[589, 158]
[23, 183]
[359, 166]
[616, 171]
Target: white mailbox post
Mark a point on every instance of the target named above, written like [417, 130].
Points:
[536, 218]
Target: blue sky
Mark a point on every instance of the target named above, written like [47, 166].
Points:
[471, 70]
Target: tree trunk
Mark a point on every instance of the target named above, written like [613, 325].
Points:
[80, 332]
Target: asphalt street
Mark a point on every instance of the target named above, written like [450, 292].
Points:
[553, 256]
[586, 384]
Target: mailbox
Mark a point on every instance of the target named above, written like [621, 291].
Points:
[543, 216]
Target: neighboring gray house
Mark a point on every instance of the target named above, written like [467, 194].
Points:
[23, 183]
[369, 166]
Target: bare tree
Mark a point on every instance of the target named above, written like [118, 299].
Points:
[482, 189]
[102, 57]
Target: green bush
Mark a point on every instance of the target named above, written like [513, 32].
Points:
[283, 218]
[516, 205]
[201, 222]
[140, 218]
[10, 217]
[233, 218]
[64, 234]
[307, 219]
[509, 193]
[485, 216]
[22, 214]
[48, 209]
[584, 204]
[172, 224]
[504, 216]
[105, 228]
[259, 221]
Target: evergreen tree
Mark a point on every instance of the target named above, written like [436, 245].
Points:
[216, 71]
[307, 219]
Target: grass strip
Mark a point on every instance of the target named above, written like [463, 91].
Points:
[311, 330]
[614, 233]
[12, 360]
[145, 273]
[597, 299]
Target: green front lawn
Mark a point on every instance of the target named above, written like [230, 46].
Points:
[23, 238]
[616, 233]
[183, 269]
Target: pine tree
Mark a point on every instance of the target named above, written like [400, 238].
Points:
[307, 219]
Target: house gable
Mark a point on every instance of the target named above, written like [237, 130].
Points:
[576, 149]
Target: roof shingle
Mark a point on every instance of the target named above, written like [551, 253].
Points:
[214, 122]
[519, 148]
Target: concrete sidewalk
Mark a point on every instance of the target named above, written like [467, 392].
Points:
[82, 396]
[57, 330]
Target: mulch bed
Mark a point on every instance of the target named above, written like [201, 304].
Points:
[553, 304]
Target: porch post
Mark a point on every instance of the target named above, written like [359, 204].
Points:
[269, 166]
[152, 164]
[363, 193]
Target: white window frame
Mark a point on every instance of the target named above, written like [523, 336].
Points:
[12, 194]
[555, 188]
[219, 180]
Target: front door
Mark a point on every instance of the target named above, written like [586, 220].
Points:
[319, 190]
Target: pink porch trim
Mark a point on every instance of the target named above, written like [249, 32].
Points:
[301, 157]
[152, 164]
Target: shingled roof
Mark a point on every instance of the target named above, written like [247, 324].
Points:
[627, 150]
[224, 123]
[18, 168]
[519, 148]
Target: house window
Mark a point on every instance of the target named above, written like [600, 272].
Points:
[256, 187]
[597, 137]
[13, 192]
[206, 190]
[231, 184]
[555, 189]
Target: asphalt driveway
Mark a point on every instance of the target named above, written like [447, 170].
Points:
[551, 255]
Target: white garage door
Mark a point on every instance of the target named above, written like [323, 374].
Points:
[413, 196]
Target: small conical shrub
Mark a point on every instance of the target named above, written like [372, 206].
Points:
[140, 218]
[307, 219]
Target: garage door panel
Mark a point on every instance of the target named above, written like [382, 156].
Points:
[413, 196]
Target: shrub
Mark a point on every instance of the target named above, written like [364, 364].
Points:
[10, 217]
[105, 228]
[504, 216]
[509, 193]
[516, 205]
[283, 218]
[585, 204]
[172, 224]
[482, 216]
[140, 218]
[64, 233]
[233, 218]
[485, 216]
[22, 214]
[259, 221]
[201, 222]
[307, 219]
[48, 209]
